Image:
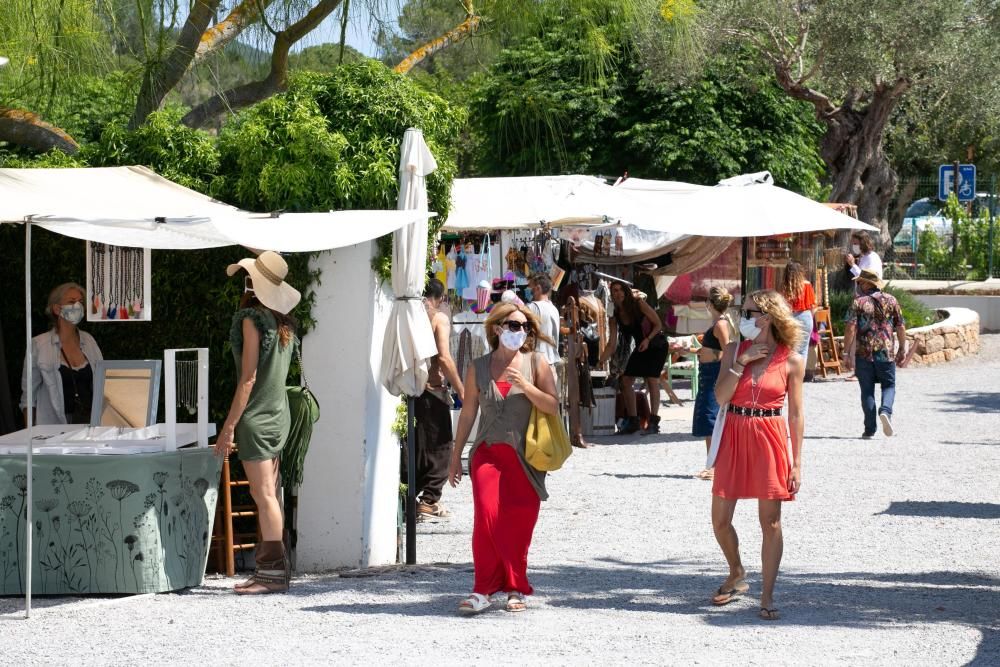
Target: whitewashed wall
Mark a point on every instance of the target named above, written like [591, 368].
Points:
[348, 499]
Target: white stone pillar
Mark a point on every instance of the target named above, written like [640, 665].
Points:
[348, 500]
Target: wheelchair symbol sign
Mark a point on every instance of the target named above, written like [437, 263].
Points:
[966, 182]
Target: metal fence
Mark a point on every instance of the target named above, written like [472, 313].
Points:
[929, 246]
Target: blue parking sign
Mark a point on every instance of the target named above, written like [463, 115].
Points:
[966, 182]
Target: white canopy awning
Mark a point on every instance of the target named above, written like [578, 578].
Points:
[742, 206]
[738, 207]
[135, 207]
[522, 202]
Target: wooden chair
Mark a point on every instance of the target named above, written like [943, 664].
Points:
[225, 541]
[829, 358]
[682, 369]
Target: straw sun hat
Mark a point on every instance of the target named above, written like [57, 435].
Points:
[867, 276]
[268, 271]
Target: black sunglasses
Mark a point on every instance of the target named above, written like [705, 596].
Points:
[514, 325]
[752, 314]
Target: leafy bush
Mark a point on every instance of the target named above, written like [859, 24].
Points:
[332, 142]
[970, 257]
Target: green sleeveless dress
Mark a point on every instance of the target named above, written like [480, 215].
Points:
[263, 429]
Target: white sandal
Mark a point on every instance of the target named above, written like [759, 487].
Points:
[515, 602]
[474, 604]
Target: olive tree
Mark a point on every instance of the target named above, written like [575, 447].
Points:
[854, 61]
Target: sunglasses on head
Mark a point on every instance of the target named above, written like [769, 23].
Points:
[515, 326]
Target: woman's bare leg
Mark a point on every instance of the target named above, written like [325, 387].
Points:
[263, 478]
[653, 387]
[771, 549]
[628, 393]
[725, 535]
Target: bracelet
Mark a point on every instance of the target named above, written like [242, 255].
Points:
[735, 372]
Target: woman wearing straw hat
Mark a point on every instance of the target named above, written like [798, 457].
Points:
[263, 339]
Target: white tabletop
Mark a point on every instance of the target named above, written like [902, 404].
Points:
[80, 439]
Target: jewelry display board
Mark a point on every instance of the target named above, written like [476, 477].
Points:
[118, 283]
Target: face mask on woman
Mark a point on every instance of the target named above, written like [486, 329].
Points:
[72, 313]
[856, 249]
[513, 340]
[749, 329]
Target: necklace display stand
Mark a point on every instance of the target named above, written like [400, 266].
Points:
[118, 283]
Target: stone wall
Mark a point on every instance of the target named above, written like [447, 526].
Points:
[953, 337]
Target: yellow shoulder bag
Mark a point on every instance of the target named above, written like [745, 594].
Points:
[546, 444]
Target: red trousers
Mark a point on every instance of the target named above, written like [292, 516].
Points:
[506, 510]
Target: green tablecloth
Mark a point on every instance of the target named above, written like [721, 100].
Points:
[137, 523]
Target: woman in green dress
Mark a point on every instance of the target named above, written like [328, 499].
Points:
[263, 339]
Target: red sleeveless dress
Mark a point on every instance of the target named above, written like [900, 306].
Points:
[754, 459]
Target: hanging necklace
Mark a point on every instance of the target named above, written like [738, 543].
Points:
[757, 382]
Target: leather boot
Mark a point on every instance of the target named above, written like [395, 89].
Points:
[272, 573]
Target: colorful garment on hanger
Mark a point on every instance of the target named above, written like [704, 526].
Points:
[440, 266]
[461, 274]
[450, 267]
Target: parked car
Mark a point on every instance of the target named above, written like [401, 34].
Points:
[924, 213]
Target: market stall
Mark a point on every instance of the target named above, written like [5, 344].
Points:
[129, 509]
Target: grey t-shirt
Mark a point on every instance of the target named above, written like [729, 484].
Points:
[548, 314]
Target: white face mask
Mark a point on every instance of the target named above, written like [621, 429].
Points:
[513, 340]
[72, 313]
[749, 329]
[856, 249]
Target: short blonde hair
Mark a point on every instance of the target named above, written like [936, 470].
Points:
[498, 315]
[784, 327]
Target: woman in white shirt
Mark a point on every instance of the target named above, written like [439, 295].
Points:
[868, 259]
[61, 374]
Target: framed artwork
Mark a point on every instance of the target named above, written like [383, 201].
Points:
[118, 283]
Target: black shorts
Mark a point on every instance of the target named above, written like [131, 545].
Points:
[433, 422]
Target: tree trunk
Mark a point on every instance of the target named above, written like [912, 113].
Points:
[859, 170]
[25, 129]
[160, 78]
[462, 31]
[277, 79]
[902, 201]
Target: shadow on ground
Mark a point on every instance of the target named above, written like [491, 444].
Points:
[952, 509]
[860, 600]
[970, 401]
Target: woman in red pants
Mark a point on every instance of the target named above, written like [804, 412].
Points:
[503, 386]
[754, 458]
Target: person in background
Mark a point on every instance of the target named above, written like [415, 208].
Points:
[715, 340]
[863, 256]
[548, 315]
[262, 335]
[62, 358]
[799, 294]
[871, 320]
[754, 459]
[635, 319]
[503, 387]
[432, 411]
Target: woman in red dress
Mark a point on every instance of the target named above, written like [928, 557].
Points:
[754, 459]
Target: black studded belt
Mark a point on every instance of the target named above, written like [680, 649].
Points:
[755, 412]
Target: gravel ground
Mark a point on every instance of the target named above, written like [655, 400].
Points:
[890, 558]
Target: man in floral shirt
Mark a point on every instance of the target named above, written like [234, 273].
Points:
[873, 318]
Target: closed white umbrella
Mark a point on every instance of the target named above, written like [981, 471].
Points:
[409, 339]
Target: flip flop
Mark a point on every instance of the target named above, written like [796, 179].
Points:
[771, 614]
[724, 597]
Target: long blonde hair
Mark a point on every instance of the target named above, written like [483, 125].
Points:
[498, 315]
[784, 327]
